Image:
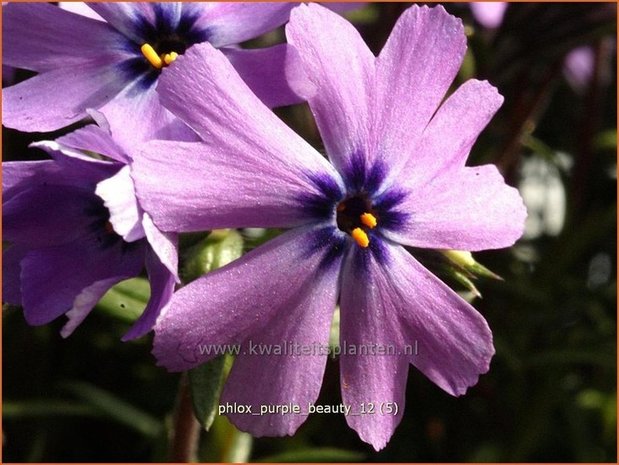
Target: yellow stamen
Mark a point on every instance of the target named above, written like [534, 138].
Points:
[360, 237]
[149, 53]
[169, 57]
[369, 220]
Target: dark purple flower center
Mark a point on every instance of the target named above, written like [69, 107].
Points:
[170, 44]
[349, 211]
[164, 39]
[364, 209]
[356, 217]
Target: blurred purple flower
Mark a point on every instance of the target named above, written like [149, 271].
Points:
[578, 67]
[396, 178]
[85, 63]
[489, 14]
[579, 62]
[76, 229]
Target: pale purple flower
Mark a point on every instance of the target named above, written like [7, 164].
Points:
[396, 159]
[76, 229]
[489, 14]
[578, 67]
[85, 63]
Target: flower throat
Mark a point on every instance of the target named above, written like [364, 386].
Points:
[163, 53]
[355, 217]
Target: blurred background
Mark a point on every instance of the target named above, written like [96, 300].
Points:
[550, 394]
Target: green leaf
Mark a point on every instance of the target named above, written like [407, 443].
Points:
[116, 409]
[126, 301]
[136, 288]
[255, 237]
[316, 454]
[467, 70]
[47, 408]
[205, 383]
[218, 249]
[367, 14]
[606, 140]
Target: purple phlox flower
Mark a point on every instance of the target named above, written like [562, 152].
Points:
[489, 14]
[395, 177]
[578, 67]
[113, 65]
[76, 229]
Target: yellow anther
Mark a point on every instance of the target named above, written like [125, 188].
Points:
[149, 53]
[360, 237]
[170, 57]
[369, 220]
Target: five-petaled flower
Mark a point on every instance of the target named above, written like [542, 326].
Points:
[113, 64]
[396, 177]
[76, 229]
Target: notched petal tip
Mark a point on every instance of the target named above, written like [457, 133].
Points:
[461, 389]
[437, 12]
[486, 93]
